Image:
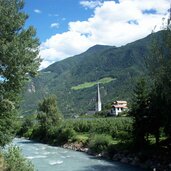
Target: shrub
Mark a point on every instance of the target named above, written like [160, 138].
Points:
[99, 143]
[15, 160]
[82, 125]
[64, 135]
[80, 139]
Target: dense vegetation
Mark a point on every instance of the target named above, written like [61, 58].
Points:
[18, 61]
[152, 101]
[86, 131]
[72, 79]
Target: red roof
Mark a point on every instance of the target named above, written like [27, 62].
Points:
[119, 106]
[123, 102]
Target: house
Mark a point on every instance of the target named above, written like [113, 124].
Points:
[118, 107]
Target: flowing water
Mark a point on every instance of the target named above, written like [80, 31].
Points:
[49, 158]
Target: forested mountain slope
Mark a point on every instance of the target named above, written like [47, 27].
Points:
[73, 80]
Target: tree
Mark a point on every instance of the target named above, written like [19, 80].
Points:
[159, 66]
[18, 57]
[140, 113]
[8, 121]
[49, 116]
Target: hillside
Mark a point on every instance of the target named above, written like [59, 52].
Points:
[74, 79]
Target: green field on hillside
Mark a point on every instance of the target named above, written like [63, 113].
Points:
[91, 84]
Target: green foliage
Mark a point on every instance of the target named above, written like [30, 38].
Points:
[27, 126]
[64, 135]
[49, 114]
[99, 143]
[15, 161]
[8, 122]
[19, 49]
[18, 61]
[160, 72]
[151, 107]
[45, 125]
[108, 126]
[140, 113]
[83, 138]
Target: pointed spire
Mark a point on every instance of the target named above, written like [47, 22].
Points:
[99, 104]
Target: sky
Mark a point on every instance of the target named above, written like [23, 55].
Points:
[69, 27]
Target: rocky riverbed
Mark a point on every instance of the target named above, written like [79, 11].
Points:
[154, 163]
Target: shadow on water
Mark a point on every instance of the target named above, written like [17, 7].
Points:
[112, 167]
[26, 142]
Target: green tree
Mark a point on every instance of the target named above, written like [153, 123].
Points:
[159, 66]
[140, 113]
[48, 116]
[156, 108]
[18, 60]
[8, 121]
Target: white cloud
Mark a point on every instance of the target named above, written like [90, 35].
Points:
[112, 24]
[53, 15]
[91, 4]
[54, 25]
[37, 11]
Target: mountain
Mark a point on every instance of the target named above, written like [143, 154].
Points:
[74, 79]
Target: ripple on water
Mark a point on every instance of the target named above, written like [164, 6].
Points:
[56, 162]
[63, 152]
[36, 157]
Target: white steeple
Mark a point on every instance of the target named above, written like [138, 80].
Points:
[98, 101]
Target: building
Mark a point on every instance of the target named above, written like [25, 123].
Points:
[98, 100]
[118, 107]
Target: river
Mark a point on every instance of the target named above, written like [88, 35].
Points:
[49, 158]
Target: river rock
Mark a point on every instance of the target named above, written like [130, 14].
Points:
[118, 157]
[125, 160]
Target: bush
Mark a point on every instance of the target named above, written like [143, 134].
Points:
[99, 143]
[82, 125]
[80, 139]
[15, 160]
[64, 135]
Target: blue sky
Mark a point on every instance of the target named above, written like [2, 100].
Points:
[43, 13]
[69, 27]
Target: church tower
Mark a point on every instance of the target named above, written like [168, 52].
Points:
[98, 100]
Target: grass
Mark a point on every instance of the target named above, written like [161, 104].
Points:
[91, 84]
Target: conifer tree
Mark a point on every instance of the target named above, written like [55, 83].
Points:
[140, 113]
[159, 63]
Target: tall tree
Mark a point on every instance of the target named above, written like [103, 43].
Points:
[159, 65]
[140, 113]
[18, 56]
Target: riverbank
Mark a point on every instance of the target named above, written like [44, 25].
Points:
[108, 138]
[52, 158]
[154, 163]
